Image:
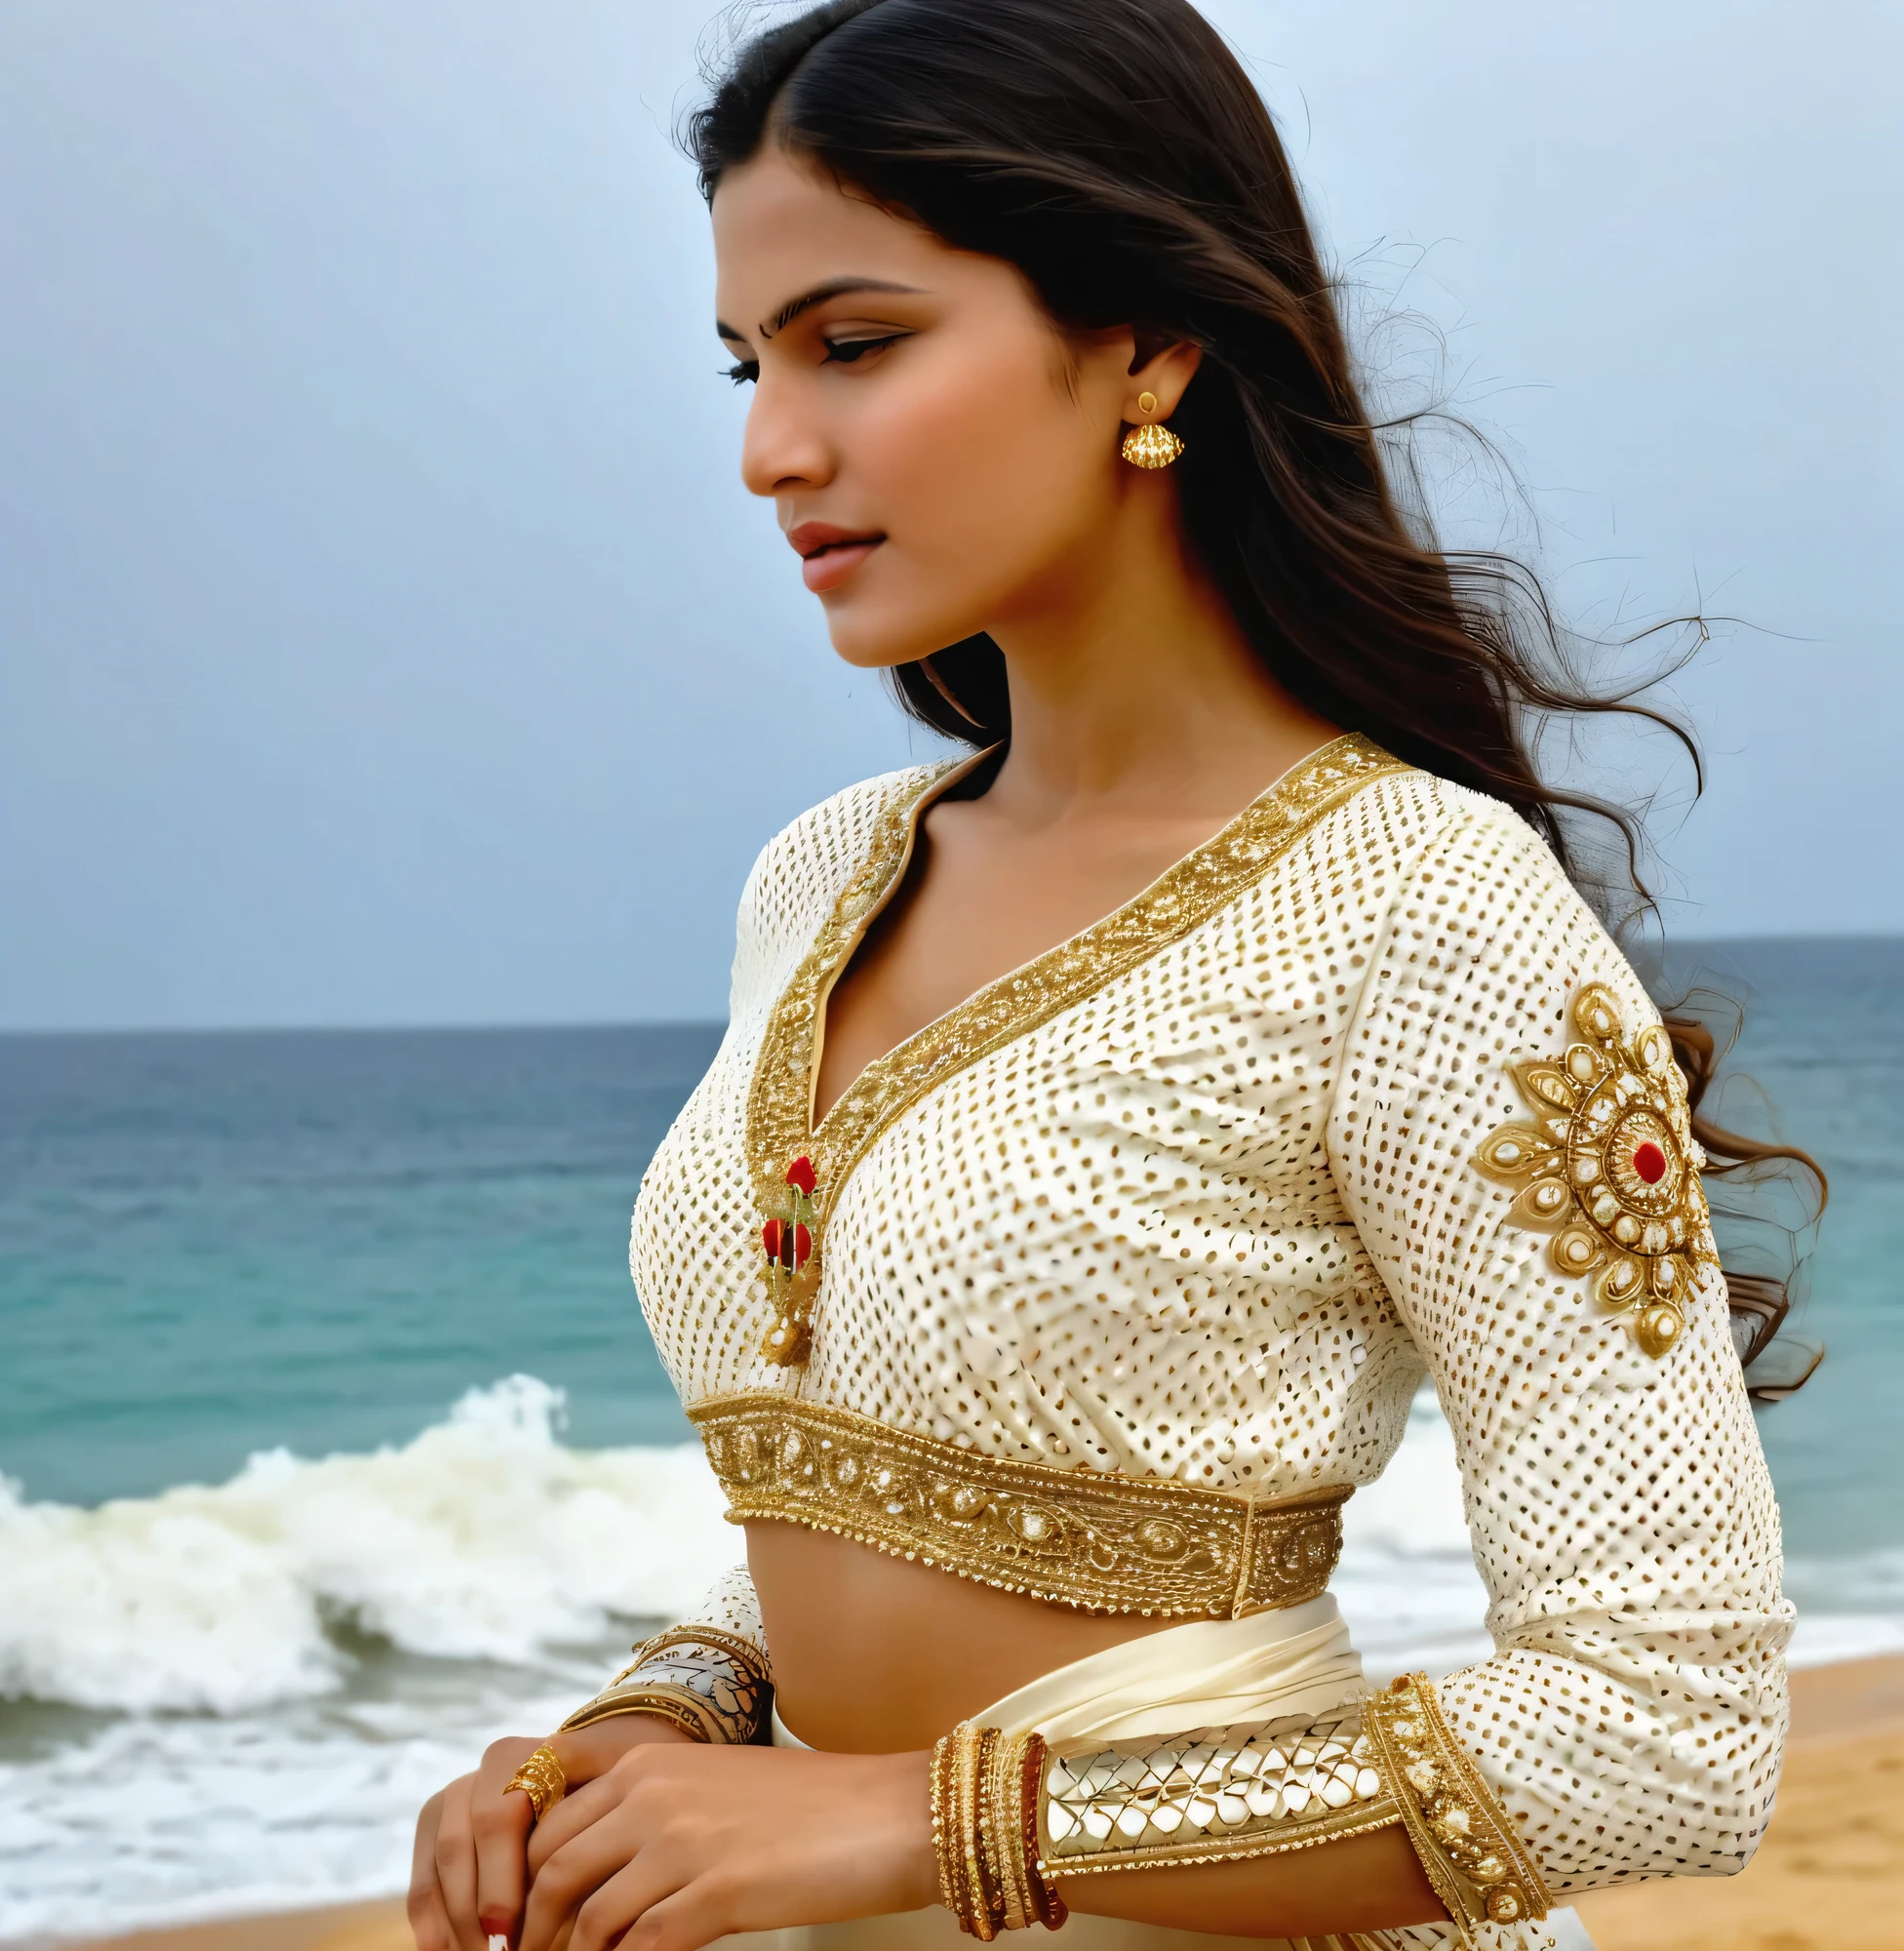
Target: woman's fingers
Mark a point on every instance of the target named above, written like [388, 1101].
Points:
[570, 1816]
[675, 1848]
[454, 1859]
[500, 1819]
[603, 1853]
[644, 1908]
[428, 1925]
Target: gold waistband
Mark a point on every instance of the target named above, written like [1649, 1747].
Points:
[1104, 1543]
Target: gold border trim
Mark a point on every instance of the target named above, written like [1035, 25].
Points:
[1465, 1840]
[1083, 1537]
[780, 1099]
[1384, 1813]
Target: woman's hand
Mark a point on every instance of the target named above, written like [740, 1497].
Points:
[468, 1875]
[679, 1846]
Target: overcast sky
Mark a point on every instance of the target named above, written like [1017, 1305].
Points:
[385, 636]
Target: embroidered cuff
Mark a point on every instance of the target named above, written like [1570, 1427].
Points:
[1466, 1841]
[712, 1684]
[1208, 1797]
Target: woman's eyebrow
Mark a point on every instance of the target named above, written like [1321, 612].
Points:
[833, 288]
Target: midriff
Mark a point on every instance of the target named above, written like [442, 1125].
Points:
[873, 1654]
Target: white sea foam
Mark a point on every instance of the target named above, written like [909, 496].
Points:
[258, 1761]
[1408, 1584]
[484, 1537]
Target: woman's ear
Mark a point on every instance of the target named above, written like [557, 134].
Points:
[1163, 368]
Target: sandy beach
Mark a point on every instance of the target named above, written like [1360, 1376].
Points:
[1830, 1877]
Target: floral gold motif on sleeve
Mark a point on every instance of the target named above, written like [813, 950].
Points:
[1609, 1165]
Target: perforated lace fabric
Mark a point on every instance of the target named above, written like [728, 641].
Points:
[1212, 1222]
[730, 1607]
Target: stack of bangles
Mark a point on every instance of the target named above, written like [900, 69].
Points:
[985, 1831]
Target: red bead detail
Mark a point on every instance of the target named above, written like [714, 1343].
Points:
[1650, 1161]
[770, 1238]
[800, 1175]
[802, 1246]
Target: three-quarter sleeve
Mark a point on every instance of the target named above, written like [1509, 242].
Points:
[1508, 1132]
[709, 1676]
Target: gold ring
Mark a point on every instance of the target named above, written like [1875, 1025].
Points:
[541, 1779]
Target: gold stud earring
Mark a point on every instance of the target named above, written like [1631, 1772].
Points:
[1150, 445]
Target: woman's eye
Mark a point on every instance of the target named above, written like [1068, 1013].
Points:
[743, 373]
[844, 351]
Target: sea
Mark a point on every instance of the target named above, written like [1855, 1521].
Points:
[333, 1444]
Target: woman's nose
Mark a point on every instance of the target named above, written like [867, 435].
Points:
[784, 446]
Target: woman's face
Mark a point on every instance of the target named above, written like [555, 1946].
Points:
[942, 457]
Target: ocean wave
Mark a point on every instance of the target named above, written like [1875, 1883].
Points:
[482, 1539]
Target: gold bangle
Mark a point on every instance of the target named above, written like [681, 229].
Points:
[974, 1749]
[541, 1779]
[942, 1850]
[1047, 1906]
[709, 1683]
[1002, 1831]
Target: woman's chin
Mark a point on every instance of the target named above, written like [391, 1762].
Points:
[869, 640]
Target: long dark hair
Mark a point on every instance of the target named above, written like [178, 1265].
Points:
[1116, 152]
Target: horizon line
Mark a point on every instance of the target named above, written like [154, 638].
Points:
[503, 1026]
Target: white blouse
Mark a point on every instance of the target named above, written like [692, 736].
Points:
[1114, 1282]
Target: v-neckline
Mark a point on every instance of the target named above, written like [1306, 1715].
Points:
[913, 813]
[779, 1120]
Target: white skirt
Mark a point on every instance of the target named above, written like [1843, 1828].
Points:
[1207, 1674]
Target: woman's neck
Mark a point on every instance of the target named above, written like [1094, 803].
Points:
[1135, 692]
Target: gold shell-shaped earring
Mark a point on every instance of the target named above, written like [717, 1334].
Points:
[1150, 445]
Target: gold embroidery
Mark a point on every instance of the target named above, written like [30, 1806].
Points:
[779, 1103]
[1465, 1840]
[1294, 1782]
[1611, 1163]
[1082, 1538]
[780, 1099]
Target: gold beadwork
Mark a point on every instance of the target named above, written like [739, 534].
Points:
[788, 1240]
[1611, 1168]
[1213, 1796]
[541, 1778]
[1465, 1841]
[780, 1096]
[1104, 1543]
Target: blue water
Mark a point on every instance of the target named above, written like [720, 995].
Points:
[212, 1244]
[1824, 1045]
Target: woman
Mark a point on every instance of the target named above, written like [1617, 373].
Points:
[1116, 1125]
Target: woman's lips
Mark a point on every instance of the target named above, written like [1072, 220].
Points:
[829, 554]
